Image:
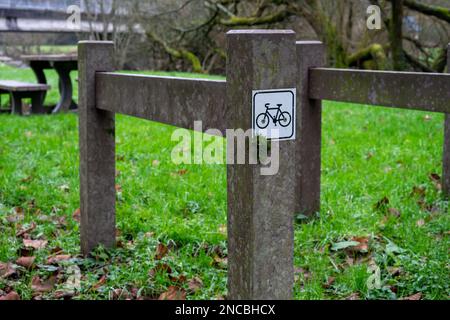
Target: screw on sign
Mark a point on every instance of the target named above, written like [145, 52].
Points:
[274, 114]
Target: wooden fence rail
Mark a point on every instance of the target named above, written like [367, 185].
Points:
[170, 100]
[411, 90]
[260, 208]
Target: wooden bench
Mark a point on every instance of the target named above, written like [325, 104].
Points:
[18, 90]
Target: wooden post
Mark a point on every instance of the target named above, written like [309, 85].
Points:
[97, 151]
[446, 155]
[260, 208]
[309, 129]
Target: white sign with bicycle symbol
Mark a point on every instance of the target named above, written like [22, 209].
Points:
[274, 113]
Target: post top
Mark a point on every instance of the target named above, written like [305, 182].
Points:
[259, 31]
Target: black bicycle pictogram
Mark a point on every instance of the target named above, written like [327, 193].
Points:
[281, 117]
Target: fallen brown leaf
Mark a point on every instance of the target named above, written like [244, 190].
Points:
[394, 271]
[99, 283]
[350, 261]
[26, 179]
[35, 244]
[121, 294]
[353, 296]
[416, 296]
[195, 284]
[58, 258]
[10, 296]
[219, 262]
[329, 283]
[7, 270]
[77, 215]
[60, 221]
[23, 231]
[26, 262]
[16, 216]
[160, 267]
[180, 279]
[298, 271]
[161, 251]
[173, 293]
[418, 191]
[42, 286]
[362, 247]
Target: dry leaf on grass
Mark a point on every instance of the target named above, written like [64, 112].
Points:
[76, 215]
[416, 296]
[42, 286]
[16, 216]
[35, 244]
[180, 279]
[195, 284]
[23, 231]
[362, 247]
[7, 270]
[173, 293]
[353, 296]
[298, 271]
[10, 296]
[436, 179]
[418, 191]
[161, 251]
[99, 283]
[394, 271]
[160, 267]
[329, 283]
[26, 262]
[219, 262]
[58, 258]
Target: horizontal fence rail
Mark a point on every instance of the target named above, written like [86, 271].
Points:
[170, 100]
[411, 90]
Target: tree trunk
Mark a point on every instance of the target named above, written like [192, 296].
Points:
[396, 35]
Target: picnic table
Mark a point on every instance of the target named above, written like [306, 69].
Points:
[63, 64]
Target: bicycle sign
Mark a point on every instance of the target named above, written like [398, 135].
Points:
[273, 114]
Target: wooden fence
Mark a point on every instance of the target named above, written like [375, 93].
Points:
[260, 208]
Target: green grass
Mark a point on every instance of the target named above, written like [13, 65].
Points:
[368, 154]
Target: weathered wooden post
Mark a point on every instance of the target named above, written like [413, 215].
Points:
[260, 208]
[446, 156]
[97, 150]
[309, 129]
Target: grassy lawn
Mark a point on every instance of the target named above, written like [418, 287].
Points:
[378, 189]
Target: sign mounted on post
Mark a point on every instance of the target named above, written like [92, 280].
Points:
[273, 113]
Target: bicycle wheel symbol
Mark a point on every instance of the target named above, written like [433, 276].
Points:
[284, 119]
[262, 121]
